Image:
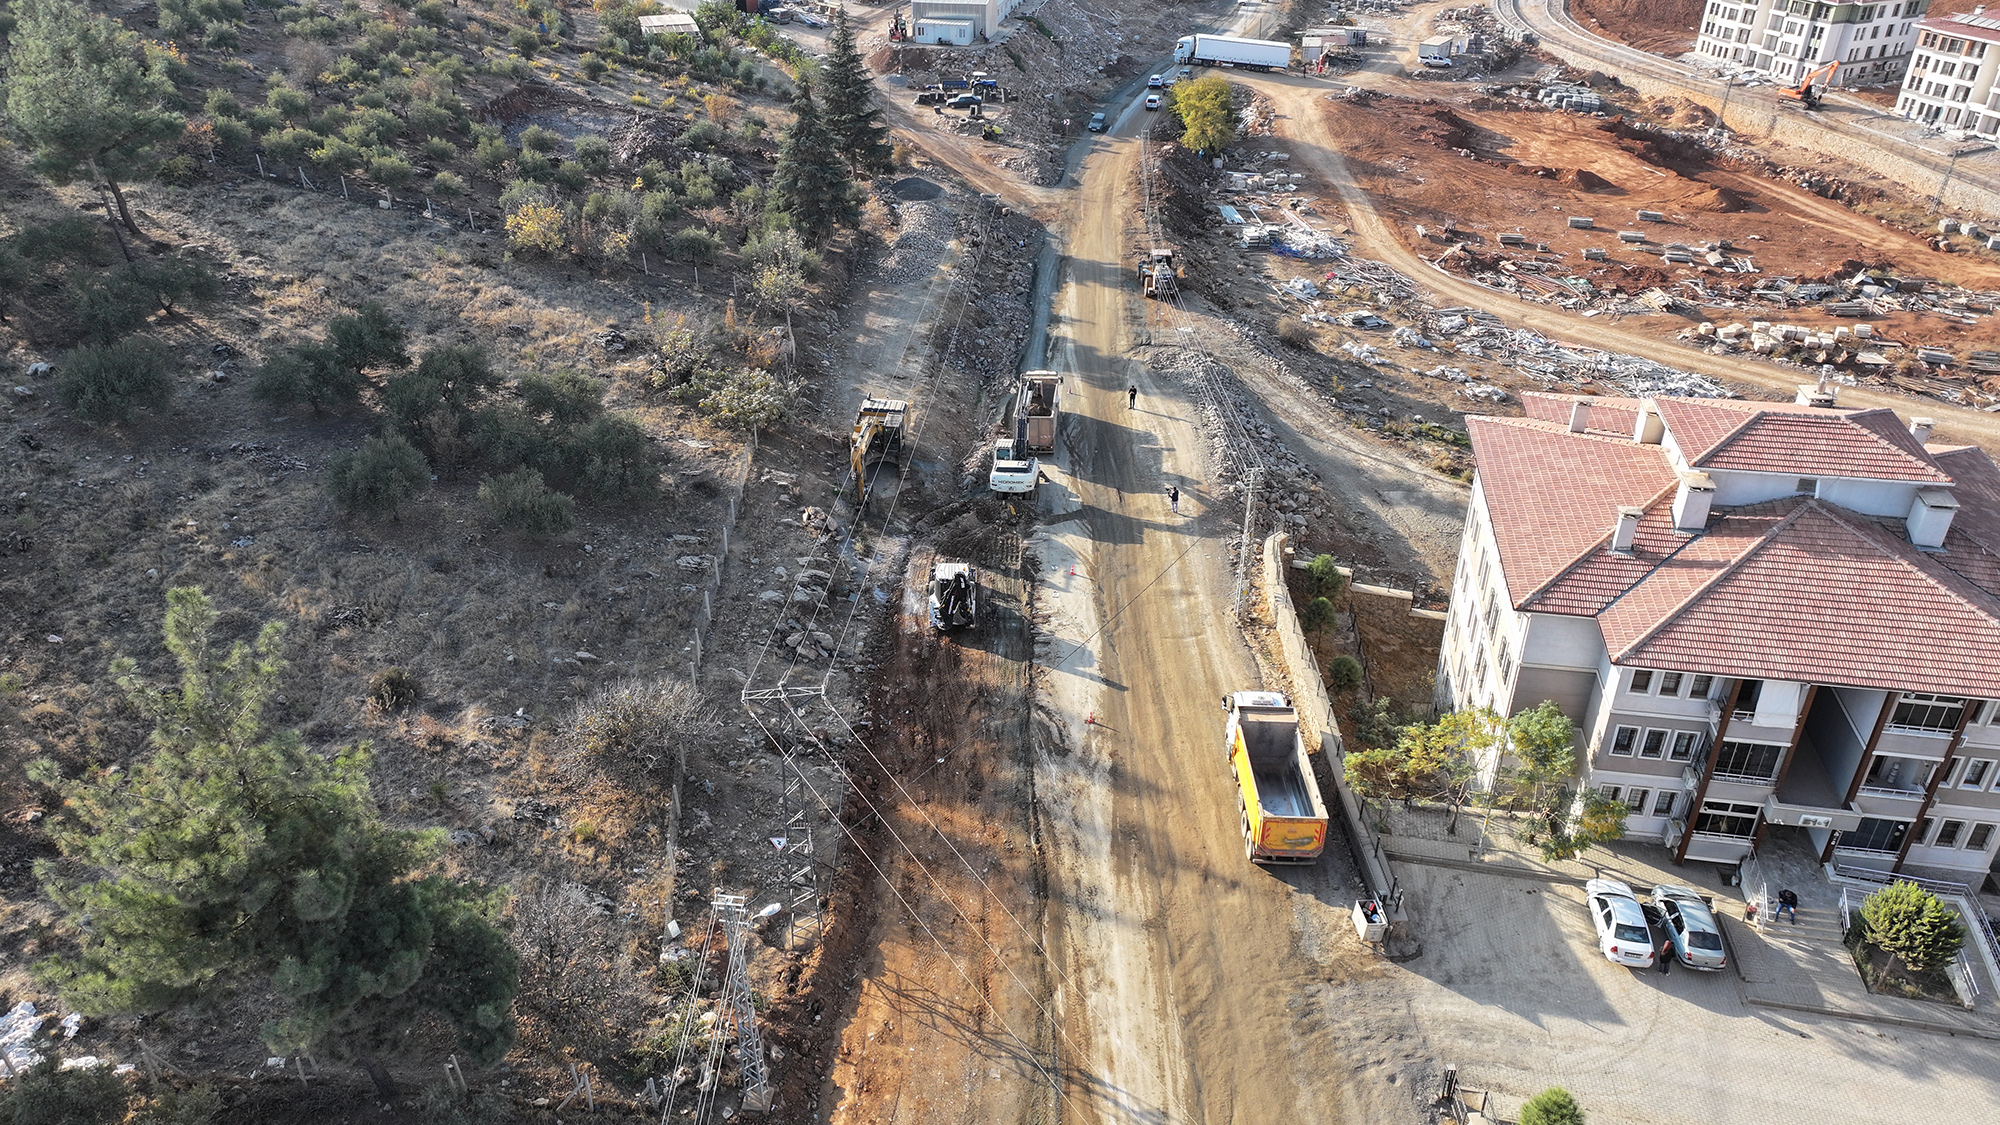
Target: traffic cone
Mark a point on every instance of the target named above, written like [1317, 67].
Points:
[1072, 570]
[1090, 720]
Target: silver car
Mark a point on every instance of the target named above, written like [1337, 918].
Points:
[1622, 934]
[1691, 927]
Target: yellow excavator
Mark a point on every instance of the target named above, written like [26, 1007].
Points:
[877, 437]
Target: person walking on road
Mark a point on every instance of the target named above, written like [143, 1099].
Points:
[1174, 498]
[1132, 396]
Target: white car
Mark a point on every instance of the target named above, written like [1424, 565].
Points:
[1152, 101]
[1157, 81]
[1013, 472]
[1691, 927]
[1622, 934]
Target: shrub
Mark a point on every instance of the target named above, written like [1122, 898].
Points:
[523, 501]
[118, 303]
[491, 153]
[507, 437]
[534, 166]
[390, 171]
[1323, 577]
[594, 153]
[695, 244]
[106, 383]
[323, 374]
[432, 12]
[46, 1094]
[453, 377]
[290, 104]
[221, 103]
[1344, 674]
[198, 1105]
[703, 135]
[646, 721]
[393, 689]
[571, 176]
[537, 139]
[1552, 1106]
[536, 228]
[566, 398]
[591, 66]
[524, 42]
[231, 133]
[747, 398]
[289, 146]
[1294, 334]
[448, 185]
[609, 459]
[338, 155]
[1914, 924]
[437, 149]
[378, 477]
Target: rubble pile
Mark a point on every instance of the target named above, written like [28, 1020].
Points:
[994, 324]
[924, 232]
[1480, 335]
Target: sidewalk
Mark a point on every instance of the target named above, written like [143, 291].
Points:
[1800, 966]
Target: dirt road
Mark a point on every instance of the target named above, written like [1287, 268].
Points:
[1304, 115]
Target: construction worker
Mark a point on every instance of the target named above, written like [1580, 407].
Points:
[1132, 396]
[1174, 498]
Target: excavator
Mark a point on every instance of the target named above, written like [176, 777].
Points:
[1809, 92]
[877, 437]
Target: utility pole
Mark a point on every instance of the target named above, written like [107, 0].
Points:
[736, 1005]
[1243, 546]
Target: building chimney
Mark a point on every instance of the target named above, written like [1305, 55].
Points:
[1824, 394]
[1930, 517]
[1628, 527]
[1648, 429]
[1579, 416]
[1920, 428]
[1691, 503]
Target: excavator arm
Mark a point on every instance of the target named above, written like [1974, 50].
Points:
[1807, 92]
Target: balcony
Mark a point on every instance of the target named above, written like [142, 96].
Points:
[1893, 791]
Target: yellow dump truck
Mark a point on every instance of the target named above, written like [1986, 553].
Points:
[1284, 819]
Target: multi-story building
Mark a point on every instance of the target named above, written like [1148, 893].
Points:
[1762, 616]
[1951, 80]
[1788, 39]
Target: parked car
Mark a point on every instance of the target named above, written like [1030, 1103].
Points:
[1187, 72]
[1096, 123]
[1622, 934]
[809, 19]
[1152, 101]
[1691, 927]
[1157, 81]
[963, 101]
[930, 97]
[777, 15]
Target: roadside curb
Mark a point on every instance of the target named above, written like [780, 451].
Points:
[1871, 1017]
[1503, 869]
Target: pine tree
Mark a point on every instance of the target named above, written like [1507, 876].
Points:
[234, 859]
[812, 176]
[849, 99]
[81, 90]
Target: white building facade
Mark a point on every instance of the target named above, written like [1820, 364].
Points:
[1762, 617]
[979, 18]
[1951, 79]
[1788, 39]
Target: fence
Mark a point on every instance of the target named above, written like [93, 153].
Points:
[704, 619]
[1979, 925]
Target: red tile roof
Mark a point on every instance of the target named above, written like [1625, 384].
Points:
[1554, 495]
[1615, 416]
[1783, 437]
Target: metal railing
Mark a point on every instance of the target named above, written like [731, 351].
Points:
[1888, 791]
[1981, 922]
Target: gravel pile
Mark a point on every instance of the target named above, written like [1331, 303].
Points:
[926, 231]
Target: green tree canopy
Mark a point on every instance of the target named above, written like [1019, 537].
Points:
[233, 858]
[1543, 742]
[1208, 118]
[1439, 761]
[79, 89]
[1913, 924]
[848, 99]
[1552, 1106]
[812, 176]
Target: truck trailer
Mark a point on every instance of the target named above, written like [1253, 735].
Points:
[1037, 411]
[1225, 50]
[1284, 818]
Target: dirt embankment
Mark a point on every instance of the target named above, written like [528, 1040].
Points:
[1664, 27]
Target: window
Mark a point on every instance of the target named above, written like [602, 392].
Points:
[1655, 744]
[1642, 682]
[1610, 792]
[1726, 818]
[1977, 773]
[1932, 714]
[1622, 740]
[1876, 836]
[1670, 684]
[1751, 761]
[1807, 485]
[1701, 686]
[1663, 805]
[1684, 744]
[1635, 799]
[1948, 832]
[1747, 694]
[1982, 836]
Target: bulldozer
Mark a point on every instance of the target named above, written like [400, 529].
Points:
[1157, 276]
[1810, 90]
[877, 437]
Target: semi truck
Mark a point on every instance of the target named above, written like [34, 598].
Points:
[1284, 818]
[1037, 411]
[1225, 50]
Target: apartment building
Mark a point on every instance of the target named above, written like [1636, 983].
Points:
[1764, 617]
[1952, 72]
[1788, 39]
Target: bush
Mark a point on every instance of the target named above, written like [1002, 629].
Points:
[118, 303]
[1914, 924]
[1323, 577]
[571, 176]
[378, 477]
[199, 1105]
[609, 459]
[437, 149]
[46, 1094]
[221, 103]
[393, 689]
[523, 501]
[448, 185]
[290, 104]
[537, 139]
[703, 135]
[324, 374]
[534, 166]
[696, 245]
[524, 42]
[289, 146]
[432, 12]
[232, 134]
[1294, 334]
[1344, 674]
[566, 398]
[1552, 1106]
[105, 383]
[647, 721]
[594, 153]
[747, 398]
[536, 228]
[491, 153]
[453, 377]
[390, 171]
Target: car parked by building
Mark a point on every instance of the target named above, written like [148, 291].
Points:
[1622, 934]
[1690, 927]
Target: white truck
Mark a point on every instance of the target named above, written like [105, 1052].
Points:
[1225, 50]
[1014, 470]
[1435, 52]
